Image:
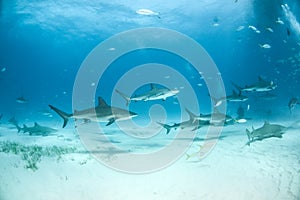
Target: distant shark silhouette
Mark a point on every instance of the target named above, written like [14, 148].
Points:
[21, 99]
[101, 113]
[292, 103]
[154, 94]
[37, 129]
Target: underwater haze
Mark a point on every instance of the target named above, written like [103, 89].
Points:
[45, 45]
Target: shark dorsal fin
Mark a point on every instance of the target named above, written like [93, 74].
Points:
[216, 110]
[101, 102]
[266, 123]
[191, 115]
[234, 92]
[152, 86]
[240, 92]
[260, 79]
[36, 124]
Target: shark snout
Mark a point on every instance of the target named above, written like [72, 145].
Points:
[132, 114]
[174, 91]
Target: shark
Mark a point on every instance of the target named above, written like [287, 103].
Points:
[292, 103]
[192, 122]
[216, 118]
[261, 86]
[101, 113]
[154, 94]
[147, 12]
[21, 99]
[266, 131]
[234, 97]
[35, 130]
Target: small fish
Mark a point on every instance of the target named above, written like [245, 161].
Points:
[279, 21]
[270, 30]
[147, 12]
[240, 28]
[240, 121]
[254, 28]
[265, 46]
[21, 99]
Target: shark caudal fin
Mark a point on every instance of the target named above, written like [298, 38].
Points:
[63, 115]
[15, 122]
[166, 126]
[188, 156]
[127, 98]
[248, 134]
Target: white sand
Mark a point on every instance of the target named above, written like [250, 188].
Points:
[268, 169]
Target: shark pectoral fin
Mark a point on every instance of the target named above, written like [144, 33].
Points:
[110, 121]
[127, 98]
[85, 121]
[279, 135]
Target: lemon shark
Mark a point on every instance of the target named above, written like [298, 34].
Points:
[260, 86]
[154, 94]
[101, 113]
[266, 131]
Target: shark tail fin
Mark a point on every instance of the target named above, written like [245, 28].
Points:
[188, 156]
[166, 126]
[62, 114]
[239, 88]
[248, 134]
[18, 127]
[127, 98]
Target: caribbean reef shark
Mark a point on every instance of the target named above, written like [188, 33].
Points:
[154, 94]
[266, 131]
[101, 113]
[261, 86]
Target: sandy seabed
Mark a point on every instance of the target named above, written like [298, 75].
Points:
[268, 169]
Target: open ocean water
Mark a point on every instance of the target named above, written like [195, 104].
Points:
[139, 87]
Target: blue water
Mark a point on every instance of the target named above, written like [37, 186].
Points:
[43, 44]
